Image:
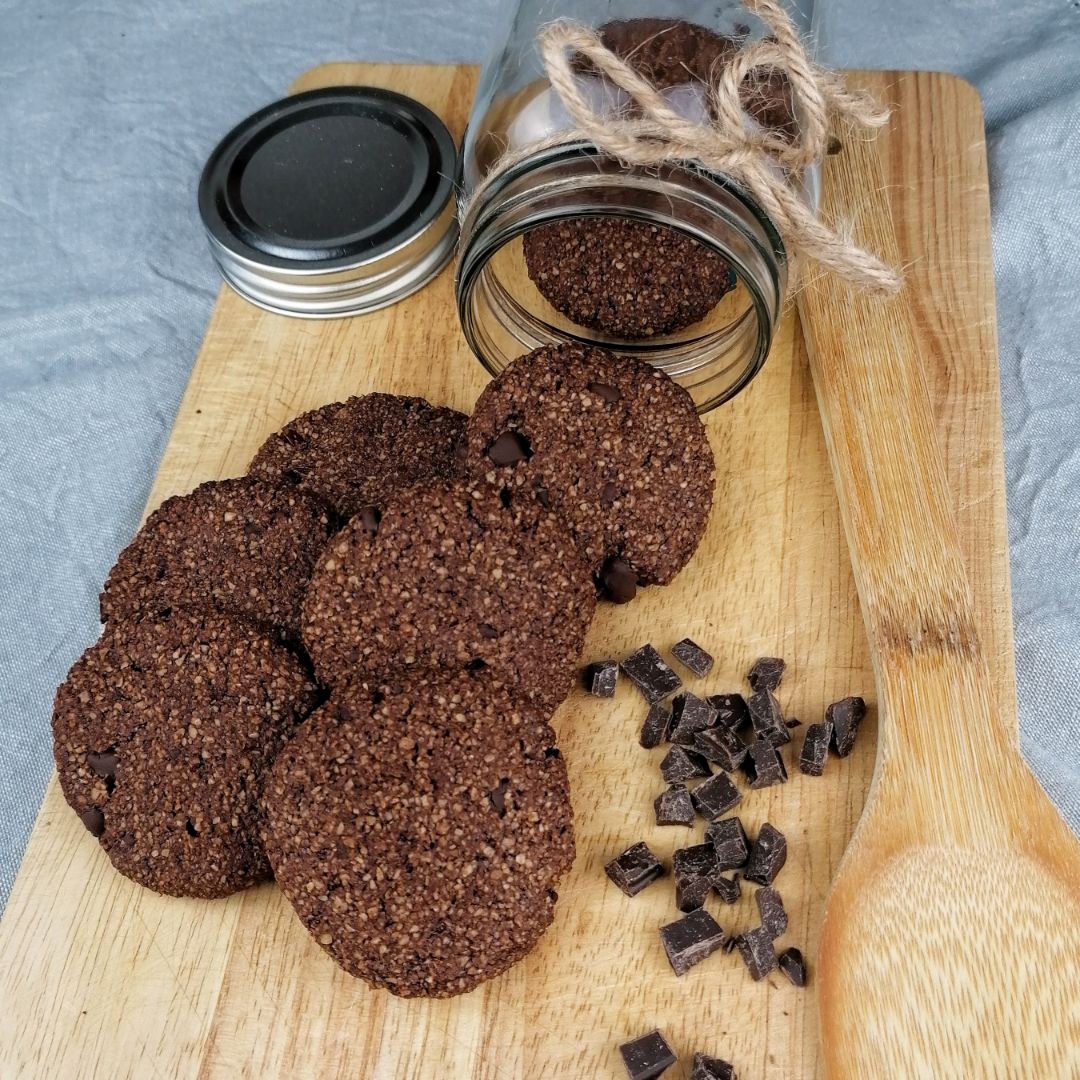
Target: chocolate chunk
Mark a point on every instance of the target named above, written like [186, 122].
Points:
[728, 838]
[657, 726]
[601, 678]
[815, 749]
[647, 1057]
[487, 631]
[497, 797]
[793, 965]
[693, 870]
[727, 888]
[756, 949]
[766, 673]
[731, 711]
[609, 496]
[370, 516]
[606, 393]
[692, 657]
[771, 907]
[689, 715]
[690, 940]
[103, 764]
[635, 869]
[721, 745]
[845, 717]
[768, 718]
[681, 764]
[617, 580]
[509, 448]
[767, 856]
[716, 797]
[764, 766]
[94, 820]
[648, 672]
[710, 1068]
[674, 806]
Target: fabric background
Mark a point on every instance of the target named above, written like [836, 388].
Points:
[107, 112]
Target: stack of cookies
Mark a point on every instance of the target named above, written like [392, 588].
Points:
[341, 667]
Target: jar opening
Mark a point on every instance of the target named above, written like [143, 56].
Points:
[670, 265]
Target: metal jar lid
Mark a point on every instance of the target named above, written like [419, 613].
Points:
[332, 202]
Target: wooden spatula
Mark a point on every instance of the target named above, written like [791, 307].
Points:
[951, 944]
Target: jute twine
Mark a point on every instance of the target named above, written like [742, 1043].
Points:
[768, 164]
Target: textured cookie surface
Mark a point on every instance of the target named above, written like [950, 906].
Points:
[420, 836]
[628, 279]
[363, 451]
[611, 444]
[242, 547]
[162, 734]
[452, 578]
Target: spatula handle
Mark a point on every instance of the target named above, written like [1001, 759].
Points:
[868, 363]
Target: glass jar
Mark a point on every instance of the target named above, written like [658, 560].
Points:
[672, 264]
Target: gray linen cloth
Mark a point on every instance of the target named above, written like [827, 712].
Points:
[107, 112]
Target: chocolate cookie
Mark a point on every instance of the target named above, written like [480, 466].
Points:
[453, 577]
[361, 452]
[162, 733]
[420, 832]
[243, 547]
[628, 279]
[612, 445]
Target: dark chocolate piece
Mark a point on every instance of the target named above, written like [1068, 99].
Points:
[647, 1057]
[715, 797]
[693, 870]
[845, 717]
[648, 672]
[731, 710]
[768, 718]
[602, 677]
[727, 888]
[764, 766]
[767, 856]
[692, 657]
[690, 940]
[756, 949]
[94, 820]
[771, 907]
[635, 869]
[617, 580]
[680, 764]
[689, 715]
[710, 1068]
[509, 448]
[815, 749]
[607, 394]
[722, 745]
[766, 673]
[674, 806]
[793, 965]
[728, 838]
[657, 726]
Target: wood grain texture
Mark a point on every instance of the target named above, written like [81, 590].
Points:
[100, 978]
[961, 888]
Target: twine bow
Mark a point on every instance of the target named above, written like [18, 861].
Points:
[767, 164]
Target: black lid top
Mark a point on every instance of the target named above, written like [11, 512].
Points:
[331, 177]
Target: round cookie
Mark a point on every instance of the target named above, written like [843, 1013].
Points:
[628, 279]
[242, 547]
[162, 734]
[420, 833]
[452, 577]
[361, 452]
[613, 445]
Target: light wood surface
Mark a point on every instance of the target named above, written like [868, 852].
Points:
[960, 891]
[101, 978]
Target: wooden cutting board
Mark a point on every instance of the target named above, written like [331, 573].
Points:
[101, 978]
